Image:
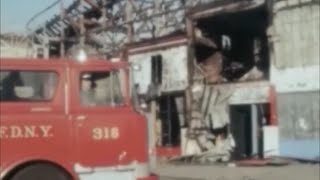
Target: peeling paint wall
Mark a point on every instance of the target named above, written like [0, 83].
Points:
[295, 74]
[248, 93]
[174, 68]
[299, 79]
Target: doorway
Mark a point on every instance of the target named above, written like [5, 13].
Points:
[247, 123]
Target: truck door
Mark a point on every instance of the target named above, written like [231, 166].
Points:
[100, 118]
[32, 113]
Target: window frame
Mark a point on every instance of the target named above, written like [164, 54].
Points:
[52, 98]
[98, 106]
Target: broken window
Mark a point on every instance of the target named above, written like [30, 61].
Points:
[233, 47]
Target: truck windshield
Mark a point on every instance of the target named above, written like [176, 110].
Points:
[100, 88]
[21, 86]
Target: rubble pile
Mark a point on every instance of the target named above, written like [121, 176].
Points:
[208, 138]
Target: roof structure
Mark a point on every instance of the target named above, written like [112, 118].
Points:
[109, 24]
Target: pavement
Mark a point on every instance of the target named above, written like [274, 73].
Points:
[212, 172]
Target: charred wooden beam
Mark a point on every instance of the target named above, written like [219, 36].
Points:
[227, 6]
[93, 4]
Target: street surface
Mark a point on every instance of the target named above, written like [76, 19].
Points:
[202, 172]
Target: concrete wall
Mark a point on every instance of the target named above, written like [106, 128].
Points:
[295, 74]
[299, 124]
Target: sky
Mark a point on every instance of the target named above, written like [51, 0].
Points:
[16, 13]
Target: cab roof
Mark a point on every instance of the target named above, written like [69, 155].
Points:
[60, 62]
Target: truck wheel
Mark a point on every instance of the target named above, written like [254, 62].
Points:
[40, 172]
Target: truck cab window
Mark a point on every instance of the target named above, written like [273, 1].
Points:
[100, 89]
[21, 86]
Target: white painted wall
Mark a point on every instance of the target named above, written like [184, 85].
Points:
[298, 79]
[296, 34]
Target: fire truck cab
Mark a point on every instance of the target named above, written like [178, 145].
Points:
[66, 120]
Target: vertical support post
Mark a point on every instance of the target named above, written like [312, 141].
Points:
[82, 32]
[62, 45]
[254, 128]
[129, 15]
[46, 45]
[153, 138]
[82, 28]
[62, 35]
[169, 121]
[157, 5]
[34, 51]
[188, 93]
[154, 115]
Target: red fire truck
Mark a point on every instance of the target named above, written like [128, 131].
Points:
[66, 120]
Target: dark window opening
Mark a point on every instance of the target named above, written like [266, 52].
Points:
[156, 69]
[241, 46]
[171, 116]
[54, 49]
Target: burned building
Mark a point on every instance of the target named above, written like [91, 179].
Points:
[218, 79]
[226, 105]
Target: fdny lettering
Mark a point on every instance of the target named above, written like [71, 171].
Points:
[105, 133]
[15, 132]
